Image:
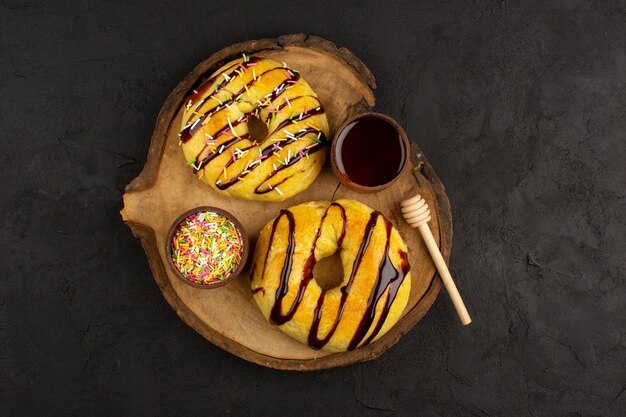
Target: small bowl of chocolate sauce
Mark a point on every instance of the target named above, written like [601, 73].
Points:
[369, 152]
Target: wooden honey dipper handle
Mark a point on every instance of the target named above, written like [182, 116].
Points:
[417, 214]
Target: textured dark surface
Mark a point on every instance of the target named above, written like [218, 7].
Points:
[520, 108]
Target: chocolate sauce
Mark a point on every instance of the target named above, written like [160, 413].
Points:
[344, 221]
[311, 261]
[370, 152]
[227, 144]
[201, 87]
[311, 112]
[313, 339]
[287, 103]
[292, 161]
[283, 86]
[191, 128]
[276, 315]
[260, 289]
[388, 277]
[265, 152]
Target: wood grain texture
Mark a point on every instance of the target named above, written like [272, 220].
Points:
[228, 316]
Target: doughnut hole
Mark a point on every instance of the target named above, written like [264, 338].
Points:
[257, 129]
[328, 272]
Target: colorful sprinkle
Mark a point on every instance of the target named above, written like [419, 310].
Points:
[206, 247]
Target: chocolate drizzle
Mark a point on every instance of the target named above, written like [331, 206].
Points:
[191, 128]
[260, 289]
[310, 262]
[276, 315]
[388, 277]
[291, 162]
[286, 103]
[212, 155]
[313, 339]
[294, 77]
[204, 86]
[265, 152]
[286, 122]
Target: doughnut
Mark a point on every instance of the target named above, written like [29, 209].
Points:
[376, 274]
[255, 130]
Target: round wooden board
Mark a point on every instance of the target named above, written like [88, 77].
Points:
[228, 316]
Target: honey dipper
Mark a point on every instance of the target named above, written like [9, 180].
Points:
[417, 214]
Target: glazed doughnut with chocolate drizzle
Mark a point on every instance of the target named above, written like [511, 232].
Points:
[376, 274]
[218, 141]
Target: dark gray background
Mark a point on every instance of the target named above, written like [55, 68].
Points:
[520, 108]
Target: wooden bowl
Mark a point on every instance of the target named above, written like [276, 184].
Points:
[228, 316]
[244, 244]
[343, 177]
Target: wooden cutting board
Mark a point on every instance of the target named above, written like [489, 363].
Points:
[228, 316]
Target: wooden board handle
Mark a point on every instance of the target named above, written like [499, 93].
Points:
[416, 213]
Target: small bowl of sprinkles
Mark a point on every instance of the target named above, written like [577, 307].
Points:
[206, 247]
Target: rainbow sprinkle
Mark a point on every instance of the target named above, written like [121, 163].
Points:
[206, 247]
